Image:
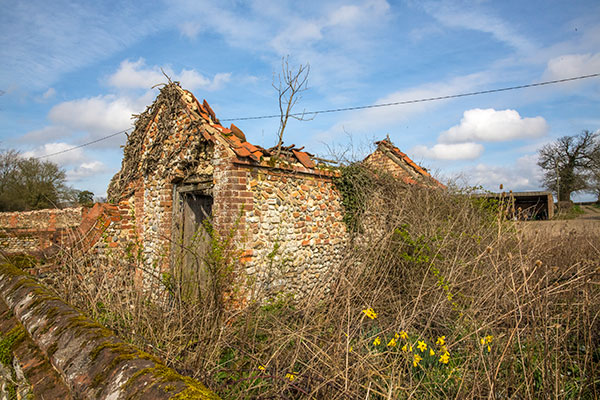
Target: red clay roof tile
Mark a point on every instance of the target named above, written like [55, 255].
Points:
[236, 139]
[250, 147]
[210, 111]
[242, 152]
[304, 158]
[238, 132]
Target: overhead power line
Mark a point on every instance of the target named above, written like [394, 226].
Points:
[333, 110]
[83, 145]
[423, 100]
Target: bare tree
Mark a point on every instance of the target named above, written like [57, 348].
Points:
[290, 83]
[568, 163]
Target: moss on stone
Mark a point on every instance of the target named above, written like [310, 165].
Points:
[8, 342]
[194, 390]
[124, 352]
[22, 260]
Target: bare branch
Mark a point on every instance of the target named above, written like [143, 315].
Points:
[290, 83]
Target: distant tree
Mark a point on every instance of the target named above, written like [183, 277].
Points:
[568, 163]
[30, 184]
[85, 197]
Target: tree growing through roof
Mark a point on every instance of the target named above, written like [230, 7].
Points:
[569, 163]
[290, 84]
[31, 184]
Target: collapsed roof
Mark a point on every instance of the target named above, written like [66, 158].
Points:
[151, 150]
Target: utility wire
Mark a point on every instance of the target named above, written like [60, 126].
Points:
[83, 145]
[397, 103]
[333, 110]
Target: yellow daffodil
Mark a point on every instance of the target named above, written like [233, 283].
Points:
[410, 348]
[396, 336]
[369, 312]
[489, 349]
[291, 377]
[431, 352]
[441, 340]
[392, 342]
[489, 338]
[416, 359]
[404, 335]
[482, 340]
[261, 367]
[422, 346]
[443, 349]
[444, 358]
[404, 348]
[377, 341]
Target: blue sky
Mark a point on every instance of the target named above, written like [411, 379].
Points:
[73, 72]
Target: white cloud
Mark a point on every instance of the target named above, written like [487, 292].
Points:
[338, 40]
[66, 158]
[86, 170]
[136, 75]
[374, 118]
[571, 65]
[192, 80]
[99, 115]
[452, 152]
[41, 40]
[95, 117]
[45, 134]
[450, 15]
[190, 29]
[49, 93]
[523, 175]
[132, 74]
[489, 125]
[350, 14]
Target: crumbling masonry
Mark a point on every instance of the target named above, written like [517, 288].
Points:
[183, 173]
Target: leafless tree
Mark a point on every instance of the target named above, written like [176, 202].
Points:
[568, 163]
[290, 83]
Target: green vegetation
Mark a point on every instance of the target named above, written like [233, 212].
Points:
[32, 184]
[571, 164]
[439, 296]
[8, 342]
[571, 213]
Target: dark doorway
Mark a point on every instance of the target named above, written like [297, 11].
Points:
[196, 211]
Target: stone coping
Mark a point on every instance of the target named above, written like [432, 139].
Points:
[91, 360]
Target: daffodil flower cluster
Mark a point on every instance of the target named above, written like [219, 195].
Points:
[487, 341]
[416, 359]
[291, 377]
[394, 341]
[369, 312]
[422, 346]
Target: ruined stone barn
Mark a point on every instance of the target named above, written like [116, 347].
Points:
[390, 159]
[188, 184]
[182, 170]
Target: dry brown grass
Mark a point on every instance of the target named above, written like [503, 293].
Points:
[430, 263]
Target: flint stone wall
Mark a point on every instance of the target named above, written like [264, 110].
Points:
[296, 235]
[37, 231]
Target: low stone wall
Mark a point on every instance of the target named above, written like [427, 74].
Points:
[44, 232]
[63, 354]
[37, 232]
